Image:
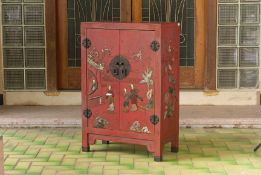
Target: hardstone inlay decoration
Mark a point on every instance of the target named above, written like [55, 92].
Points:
[131, 99]
[136, 127]
[139, 55]
[93, 58]
[100, 123]
[110, 99]
[147, 79]
[171, 93]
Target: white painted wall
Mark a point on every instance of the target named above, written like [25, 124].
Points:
[40, 98]
[219, 98]
[186, 98]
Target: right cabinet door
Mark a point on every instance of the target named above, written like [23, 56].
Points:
[137, 99]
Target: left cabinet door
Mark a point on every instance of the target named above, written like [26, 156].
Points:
[102, 89]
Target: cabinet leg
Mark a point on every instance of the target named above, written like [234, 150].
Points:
[175, 146]
[158, 152]
[174, 149]
[85, 142]
[105, 142]
[157, 158]
[86, 149]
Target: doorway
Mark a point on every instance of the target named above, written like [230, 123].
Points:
[190, 14]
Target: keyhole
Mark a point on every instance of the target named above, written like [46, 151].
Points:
[123, 71]
[116, 71]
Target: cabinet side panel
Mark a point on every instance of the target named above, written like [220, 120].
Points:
[83, 86]
[170, 82]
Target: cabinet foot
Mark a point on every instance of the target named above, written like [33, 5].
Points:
[105, 142]
[85, 149]
[174, 149]
[157, 158]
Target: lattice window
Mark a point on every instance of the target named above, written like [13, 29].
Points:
[23, 38]
[182, 11]
[238, 44]
[87, 10]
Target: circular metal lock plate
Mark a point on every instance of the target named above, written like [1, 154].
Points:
[120, 67]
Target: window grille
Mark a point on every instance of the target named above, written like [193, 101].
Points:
[23, 38]
[228, 14]
[249, 78]
[33, 15]
[182, 11]
[227, 78]
[35, 78]
[34, 57]
[249, 57]
[13, 36]
[13, 58]
[227, 57]
[12, 14]
[238, 44]
[227, 35]
[82, 11]
[250, 14]
[34, 36]
[14, 78]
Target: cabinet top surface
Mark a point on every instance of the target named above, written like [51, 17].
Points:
[134, 26]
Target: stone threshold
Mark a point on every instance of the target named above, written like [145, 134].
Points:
[190, 116]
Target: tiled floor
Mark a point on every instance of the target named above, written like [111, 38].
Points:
[202, 151]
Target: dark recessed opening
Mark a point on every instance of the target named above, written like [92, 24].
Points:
[1, 99]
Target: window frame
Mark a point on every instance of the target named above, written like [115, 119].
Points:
[238, 68]
[23, 46]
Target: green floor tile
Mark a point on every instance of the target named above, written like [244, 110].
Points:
[202, 151]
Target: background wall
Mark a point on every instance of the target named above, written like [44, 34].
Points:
[191, 97]
[1, 70]
[1, 60]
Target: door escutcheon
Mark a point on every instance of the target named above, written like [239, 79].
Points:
[120, 67]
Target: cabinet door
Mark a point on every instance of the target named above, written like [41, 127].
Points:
[103, 89]
[137, 89]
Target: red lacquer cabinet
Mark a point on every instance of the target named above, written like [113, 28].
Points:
[130, 84]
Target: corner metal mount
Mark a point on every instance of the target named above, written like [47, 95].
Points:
[87, 113]
[86, 43]
[154, 119]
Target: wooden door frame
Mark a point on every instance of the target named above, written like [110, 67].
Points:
[62, 40]
[194, 76]
[201, 76]
[211, 46]
[64, 72]
[50, 25]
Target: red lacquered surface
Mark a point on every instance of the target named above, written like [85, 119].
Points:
[122, 108]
